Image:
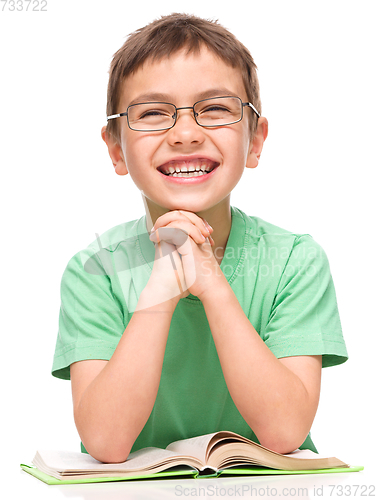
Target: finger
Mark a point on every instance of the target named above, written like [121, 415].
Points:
[177, 233]
[192, 230]
[174, 237]
[198, 221]
[177, 215]
[165, 219]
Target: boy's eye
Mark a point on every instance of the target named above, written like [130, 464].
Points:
[218, 111]
[215, 113]
[153, 112]
[151, 116]
[150, 110]
[215, 109]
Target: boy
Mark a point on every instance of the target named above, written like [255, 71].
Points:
[233, 317]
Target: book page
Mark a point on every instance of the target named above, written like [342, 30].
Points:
[71, 461]
[305, 454]
[195, 447]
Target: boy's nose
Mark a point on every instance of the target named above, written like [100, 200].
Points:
[186, 130]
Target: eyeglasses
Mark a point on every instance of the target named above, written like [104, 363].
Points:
[157, 116]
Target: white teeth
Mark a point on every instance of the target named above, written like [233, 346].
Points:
[193, 167]
[186, 174]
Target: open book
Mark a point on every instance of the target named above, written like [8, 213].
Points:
[208, 455]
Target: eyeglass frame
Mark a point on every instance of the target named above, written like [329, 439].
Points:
[249, 104]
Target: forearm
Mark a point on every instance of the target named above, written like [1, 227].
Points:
[116, 405]
[271, 398]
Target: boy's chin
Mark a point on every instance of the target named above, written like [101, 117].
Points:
[189, 207]
[189, 204]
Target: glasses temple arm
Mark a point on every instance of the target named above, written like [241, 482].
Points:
[111, 117]
[253, 108]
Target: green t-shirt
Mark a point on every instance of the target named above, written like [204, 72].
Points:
[282, 281]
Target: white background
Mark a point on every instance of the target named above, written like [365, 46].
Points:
[316, 63]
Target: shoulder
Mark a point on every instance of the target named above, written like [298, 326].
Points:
[260, 231]
[111, 238]
[276, 248]
[101, 250]
[259, 227]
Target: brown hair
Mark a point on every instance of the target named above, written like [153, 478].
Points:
[168, 35]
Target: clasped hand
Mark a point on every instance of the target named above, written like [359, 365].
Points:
[184, 261]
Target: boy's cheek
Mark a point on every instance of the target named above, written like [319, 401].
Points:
[139, 150]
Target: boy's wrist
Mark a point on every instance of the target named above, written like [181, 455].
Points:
[219, 288]
[153, 301]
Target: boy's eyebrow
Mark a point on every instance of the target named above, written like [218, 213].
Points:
[151, 97]
[217, 92]
[160, 97]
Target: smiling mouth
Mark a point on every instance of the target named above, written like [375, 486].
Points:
[189, 168]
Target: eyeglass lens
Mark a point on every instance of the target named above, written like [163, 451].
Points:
[214, 112]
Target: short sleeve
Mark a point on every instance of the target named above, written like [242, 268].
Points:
[304, 318]
[91, 319]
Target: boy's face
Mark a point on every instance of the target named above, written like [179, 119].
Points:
[184, 79]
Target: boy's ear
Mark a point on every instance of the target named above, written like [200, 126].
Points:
[256, 144]
[115, 152]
